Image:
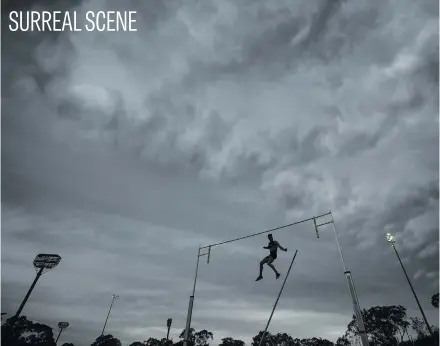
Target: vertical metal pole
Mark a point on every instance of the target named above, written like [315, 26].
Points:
[191, 303]
[276, 302]
[113, 299]
[414, 293]
[339, 246]
[168, 333]
[316, 227]
[17, 314]
[351, 288]
[56, 341]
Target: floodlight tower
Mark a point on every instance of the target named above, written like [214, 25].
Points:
[392, 240]
[114, 297]
[42, 264]
[62, 326]
[169, 321]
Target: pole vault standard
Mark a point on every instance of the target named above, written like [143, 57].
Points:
[276, 302]
[208, 253]
[347, 273]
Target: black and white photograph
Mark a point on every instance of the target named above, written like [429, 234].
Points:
[220, 172]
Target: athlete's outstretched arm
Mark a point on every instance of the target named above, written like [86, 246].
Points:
[282, 248]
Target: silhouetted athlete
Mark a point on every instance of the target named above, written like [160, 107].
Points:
[272, 247]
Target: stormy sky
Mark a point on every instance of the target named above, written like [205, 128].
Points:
[124, 152]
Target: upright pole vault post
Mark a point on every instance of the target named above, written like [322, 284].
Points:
[350, 283]
[278, 298]
[191, 298]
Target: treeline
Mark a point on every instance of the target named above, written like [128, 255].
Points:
[385, 325]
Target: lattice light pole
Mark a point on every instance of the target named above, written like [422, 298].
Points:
[114, 297]
[42, 264]
[62, 326]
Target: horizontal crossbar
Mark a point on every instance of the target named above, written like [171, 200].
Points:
[268, 231]
[325, 223]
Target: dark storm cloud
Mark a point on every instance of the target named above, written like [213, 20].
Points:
[123, 152]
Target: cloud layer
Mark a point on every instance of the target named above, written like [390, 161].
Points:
[124, 152]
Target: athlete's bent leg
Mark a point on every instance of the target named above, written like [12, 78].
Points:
[269, 263]
[264, 260]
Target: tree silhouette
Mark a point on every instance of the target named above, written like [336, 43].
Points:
[197, 338]
[152, 342]
[106, 340]
[382, 323]
[420, 327]
[434, 300]
[165, 342]
[316, 342]
[231, 342]
[385, 325]
[67, 344]
[343, 341]
[283, 339]
[191, 335]
[202, 338]
[268, 339]
[25, 332]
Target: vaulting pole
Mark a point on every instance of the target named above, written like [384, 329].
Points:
[278, 298]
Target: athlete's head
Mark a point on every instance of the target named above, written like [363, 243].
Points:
[270, 237]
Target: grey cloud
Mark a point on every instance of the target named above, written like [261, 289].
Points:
[124, 152]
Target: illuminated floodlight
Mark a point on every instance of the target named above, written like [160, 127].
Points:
[391, 238]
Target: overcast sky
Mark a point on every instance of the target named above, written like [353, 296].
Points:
[124, 152]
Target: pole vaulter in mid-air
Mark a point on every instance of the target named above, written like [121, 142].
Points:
[272, 247]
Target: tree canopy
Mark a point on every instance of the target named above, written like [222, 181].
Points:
[434, 300]
[385, 325]
[106, 340]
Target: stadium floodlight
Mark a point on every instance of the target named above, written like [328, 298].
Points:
[114, 297]
[169, 321]
[392, 240]
[42, 264]
[61, 326]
